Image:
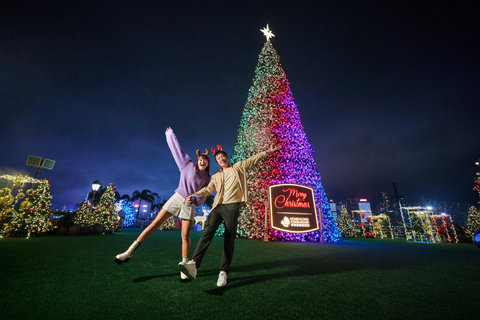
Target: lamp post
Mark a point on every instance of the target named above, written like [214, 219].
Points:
[40, 164]
[95, 186]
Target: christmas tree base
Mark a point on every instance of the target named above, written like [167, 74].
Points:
[75, 230]
[63, 231]
[98, 229]
[86, 231]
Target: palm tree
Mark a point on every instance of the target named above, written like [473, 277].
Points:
[158, 206]
[145, 195]
[123, 197]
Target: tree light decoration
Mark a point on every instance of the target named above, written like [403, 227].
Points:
[129, 211]
[34, 218]
[270, 117]
[473, 221]
[105, 212]
[345, 224]
[84, 214]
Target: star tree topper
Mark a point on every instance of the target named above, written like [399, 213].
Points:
[267, 33]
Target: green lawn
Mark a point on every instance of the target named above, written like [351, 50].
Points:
[74, 277]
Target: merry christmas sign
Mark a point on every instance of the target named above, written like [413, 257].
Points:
[292, 208]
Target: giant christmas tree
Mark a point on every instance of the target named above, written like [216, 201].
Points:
[271, 117]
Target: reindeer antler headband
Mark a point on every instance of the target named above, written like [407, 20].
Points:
[219, 148]
[203, 154]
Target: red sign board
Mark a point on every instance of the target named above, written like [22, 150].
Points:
[292, 208]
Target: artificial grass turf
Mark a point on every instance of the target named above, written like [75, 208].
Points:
[53, 277]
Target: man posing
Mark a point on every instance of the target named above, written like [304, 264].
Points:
[231, 186]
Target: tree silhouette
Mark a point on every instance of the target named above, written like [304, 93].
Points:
[122, 197]
[158, 205]
[145, 195]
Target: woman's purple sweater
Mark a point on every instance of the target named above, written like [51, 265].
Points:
[191, 178]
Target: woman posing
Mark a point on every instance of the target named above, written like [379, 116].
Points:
[193, 177]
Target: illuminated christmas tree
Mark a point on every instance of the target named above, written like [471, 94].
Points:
[84, 215]
[345, 224]
[473, 221]
[105, 212]
[270, 117]
[34, 218]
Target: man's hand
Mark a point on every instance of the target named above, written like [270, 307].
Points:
[168, 129]
[189, 199]
[273, 148]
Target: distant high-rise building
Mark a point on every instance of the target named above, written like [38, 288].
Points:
[364, 205]
[385, 205]
[144, 212]
[333, 208]
[365, 209]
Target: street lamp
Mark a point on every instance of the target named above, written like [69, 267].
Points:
[95, 186]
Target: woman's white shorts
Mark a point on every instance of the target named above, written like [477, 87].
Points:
[178, 206]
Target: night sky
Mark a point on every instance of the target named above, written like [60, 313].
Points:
[388, 91]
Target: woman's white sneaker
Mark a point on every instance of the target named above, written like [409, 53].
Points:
[189, 268]
[125, 257]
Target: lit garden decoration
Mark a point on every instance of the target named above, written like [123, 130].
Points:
[32, 214]
[381, 226]
[363, 217]
[443, 228]
[271, 117]
[422, 225]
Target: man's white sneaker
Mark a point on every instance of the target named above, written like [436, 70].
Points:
[189, 268]
[222, 279]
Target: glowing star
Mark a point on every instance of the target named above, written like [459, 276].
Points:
[267, 33]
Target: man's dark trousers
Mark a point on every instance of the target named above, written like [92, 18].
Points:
[223, 212]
